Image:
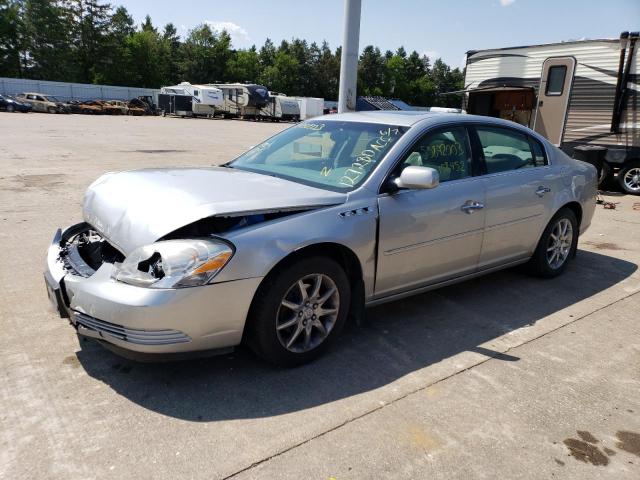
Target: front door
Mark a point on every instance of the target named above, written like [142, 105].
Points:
[431, 235]
[553, 97]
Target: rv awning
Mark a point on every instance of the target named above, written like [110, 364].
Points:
[490, 88]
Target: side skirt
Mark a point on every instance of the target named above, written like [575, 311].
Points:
[397, 296]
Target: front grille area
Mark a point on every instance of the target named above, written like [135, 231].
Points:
[83, 250]
[141, 337]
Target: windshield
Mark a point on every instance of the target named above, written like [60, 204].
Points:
[50, 98]
[334, 155]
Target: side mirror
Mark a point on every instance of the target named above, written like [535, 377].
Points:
[418, 177]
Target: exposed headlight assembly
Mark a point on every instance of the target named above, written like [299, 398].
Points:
[174, 263]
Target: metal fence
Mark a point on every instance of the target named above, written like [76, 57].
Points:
[72, 91]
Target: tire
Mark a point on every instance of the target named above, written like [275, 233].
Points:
[10, 108]
[298, 332]
[606, 173]
[543, 263]
[52, 110]
[629, 177]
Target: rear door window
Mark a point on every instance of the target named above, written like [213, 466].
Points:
[505, 150]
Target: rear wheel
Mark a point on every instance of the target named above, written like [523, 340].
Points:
[629, 177]
[299, 312]
[556, 246]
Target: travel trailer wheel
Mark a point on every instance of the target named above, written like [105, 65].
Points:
[605, 174]
[629, 177]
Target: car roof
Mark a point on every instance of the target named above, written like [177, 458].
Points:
[407, 118]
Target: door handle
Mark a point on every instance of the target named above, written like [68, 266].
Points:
[542, 190]
[471, 206]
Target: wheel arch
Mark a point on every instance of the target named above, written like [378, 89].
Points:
[576, 208]
[340, 253]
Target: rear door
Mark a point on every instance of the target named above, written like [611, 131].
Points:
[553, 97]
[519, 188]
[431, 235]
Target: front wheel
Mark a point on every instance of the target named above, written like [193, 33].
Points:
[10, 108]
[556, 246]
[629, 177]
[299, 312]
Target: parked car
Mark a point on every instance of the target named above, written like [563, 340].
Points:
[43, 103]
[280, 246]
[88, 107]
[117, 107]
[11, 104]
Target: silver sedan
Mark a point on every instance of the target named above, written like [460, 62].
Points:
[283, 245]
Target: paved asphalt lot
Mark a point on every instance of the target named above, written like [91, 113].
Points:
[505, 376]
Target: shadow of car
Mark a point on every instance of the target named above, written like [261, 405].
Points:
[398, 338]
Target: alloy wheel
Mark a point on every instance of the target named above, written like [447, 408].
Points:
[559, 245]
[632, 179]
[307, 313]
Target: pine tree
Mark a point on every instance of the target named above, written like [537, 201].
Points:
[11, 38]
[47, 47]
[91, 20]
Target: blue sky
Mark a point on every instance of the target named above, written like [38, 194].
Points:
[444, 29]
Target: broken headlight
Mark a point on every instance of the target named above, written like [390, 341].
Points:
[173, 263]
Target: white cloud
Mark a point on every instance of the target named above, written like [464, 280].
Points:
[239, 36]
[506, 3]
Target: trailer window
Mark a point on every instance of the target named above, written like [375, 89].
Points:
[555, 80]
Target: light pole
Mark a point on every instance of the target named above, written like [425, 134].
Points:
[349, 60]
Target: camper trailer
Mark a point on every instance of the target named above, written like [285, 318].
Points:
[243, 99]
[186, 99]
[581, 95]
[281, 107]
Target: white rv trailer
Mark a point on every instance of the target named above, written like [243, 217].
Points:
[281, 107]
[577, 94]
[243, 99]
[205, 99]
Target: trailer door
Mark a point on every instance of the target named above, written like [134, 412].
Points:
[553, 97]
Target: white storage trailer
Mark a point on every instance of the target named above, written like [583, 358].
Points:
[310, 107]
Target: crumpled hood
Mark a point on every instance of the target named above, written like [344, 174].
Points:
[136, 208]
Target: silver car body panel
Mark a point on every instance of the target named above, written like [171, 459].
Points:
[407, 242]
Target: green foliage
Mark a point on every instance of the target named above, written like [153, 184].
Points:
[90, 41]
[11, 26]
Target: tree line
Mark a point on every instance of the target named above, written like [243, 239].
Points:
[90, 41]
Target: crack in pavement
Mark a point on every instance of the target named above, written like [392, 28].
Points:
[424, 387]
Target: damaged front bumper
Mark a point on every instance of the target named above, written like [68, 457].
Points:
[141, 319]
